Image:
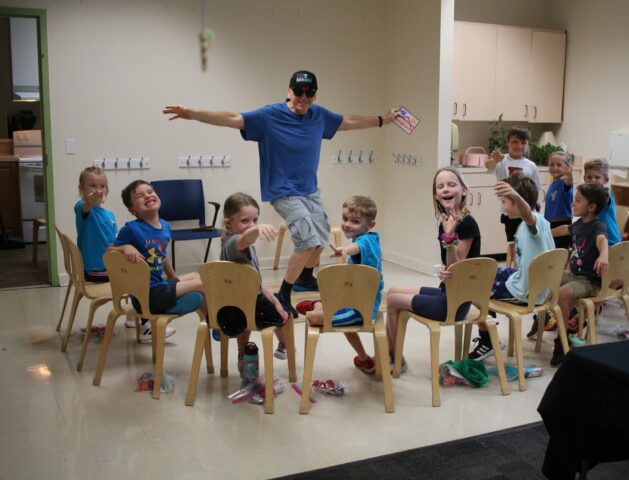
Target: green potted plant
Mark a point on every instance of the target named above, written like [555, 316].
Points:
[497, 136]
[540, 154]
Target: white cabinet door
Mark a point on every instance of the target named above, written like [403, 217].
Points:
[485, 207]
[513, 63]
[548, 57]
[474, 71]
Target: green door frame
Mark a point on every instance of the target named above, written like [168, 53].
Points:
[42, 41]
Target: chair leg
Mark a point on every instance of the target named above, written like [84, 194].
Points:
[88, 330]
[402, 322]
[516, 322]
[289, 333]
[65, 303]
[380, 340]
[75, 303]
[207, 250]
[267, 347]
[511, 340]
[466, 340]
[541, 321]
[159, 340]
[500, 366]
[563, 335]
[172, 252]
[278, 246]
[458, 334]
[202, 338]
[376, 357]
[434, 365]
[224, 352]
[109, 330]
[312, 337]
[209, 361]
[591, 318]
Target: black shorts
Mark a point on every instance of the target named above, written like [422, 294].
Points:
[233, 321]
[564, 241]
[96, 276]
[161, 297]
[511, 226]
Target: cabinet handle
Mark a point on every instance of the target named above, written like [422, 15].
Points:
[456, 108]
[526, 111]
[479, 199]
[471, 199]
[464, 109]
[534, 112]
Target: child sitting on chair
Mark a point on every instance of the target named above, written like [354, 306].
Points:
[518, 196]
[589, 258]
[146, 239]
[359, 217]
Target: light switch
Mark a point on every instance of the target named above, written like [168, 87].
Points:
[70, 146]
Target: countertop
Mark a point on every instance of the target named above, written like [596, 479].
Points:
[8, 158]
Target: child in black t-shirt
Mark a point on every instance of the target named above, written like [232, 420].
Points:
[589, 258]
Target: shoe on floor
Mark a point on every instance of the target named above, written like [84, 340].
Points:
[368, 366]
[216, 335]
[309, 285]
[286, 305]
[403, 368]
[549, 324]
[306, 306]
[482, 351]
[280, 352]
[129, 322]
[558, 355]
[146, 334]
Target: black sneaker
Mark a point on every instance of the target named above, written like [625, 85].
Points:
[309, 285]
[482, 350]
[558, 355]
[286, 305]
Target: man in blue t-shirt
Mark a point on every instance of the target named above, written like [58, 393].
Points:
[289, 138]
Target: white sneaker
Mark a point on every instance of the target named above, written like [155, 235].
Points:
[280, 352]
[145, 332]
[129, 322]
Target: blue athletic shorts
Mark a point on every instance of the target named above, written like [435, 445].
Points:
[432, 303]
[347, 317]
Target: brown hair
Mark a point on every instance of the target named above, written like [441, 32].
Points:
[595, 194]
[94, 171]
[599, 164]
[361, 205]
[438, 207]
[235, 202]
[519, 132]
[129, 189]
[525, 186]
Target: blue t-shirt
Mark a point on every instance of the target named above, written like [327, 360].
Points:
[608, 215]
[558, 201]
[151, 242]
[371, 255]
[529, 242]
[289, 146]
[96, 230]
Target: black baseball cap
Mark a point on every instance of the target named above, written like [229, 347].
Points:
[303, 78]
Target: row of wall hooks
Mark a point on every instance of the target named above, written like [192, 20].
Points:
[123, 163]
[204, 161]
[406, 159]
[360, 157]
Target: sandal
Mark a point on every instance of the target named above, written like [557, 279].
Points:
[306, 306]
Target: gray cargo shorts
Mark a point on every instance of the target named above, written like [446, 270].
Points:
[306, 220]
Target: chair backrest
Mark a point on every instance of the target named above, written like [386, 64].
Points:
[66, 254]
[348, 286]
[76, 262]
[127, 278]
[618, 270]
[230, 284]
[472, 280]
[545, 273]
[622, 216]
[181, 200]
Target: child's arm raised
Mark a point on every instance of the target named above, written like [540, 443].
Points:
[93, 199]
[249, 236]
[503, 189]
[462, 248]
[602, 262]
[494, 159]
[567, 175]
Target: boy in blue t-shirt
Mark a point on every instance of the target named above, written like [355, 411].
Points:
[359, 217]
[597, 171]
[146, 239]
[558, 201]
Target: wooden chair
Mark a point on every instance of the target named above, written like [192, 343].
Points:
[545, 273]
[68, 266]
[235, 284]
[334, 230]
[471, 281]
[348, 286]
[98, 293]
[133, 279]
[618, 271]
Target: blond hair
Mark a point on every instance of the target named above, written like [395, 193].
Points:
[94, 171]
[361, 205]
[598, 164]
[235, 202]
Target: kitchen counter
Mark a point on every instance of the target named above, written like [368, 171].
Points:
[8, 158]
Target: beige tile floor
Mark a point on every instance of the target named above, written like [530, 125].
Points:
[56, 425]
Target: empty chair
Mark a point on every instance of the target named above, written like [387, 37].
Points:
[237, 285]
[132, 279]
[471, 281]
[183, 200]
[68, 266]
[349, 286]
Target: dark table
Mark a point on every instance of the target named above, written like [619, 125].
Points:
[586, 410]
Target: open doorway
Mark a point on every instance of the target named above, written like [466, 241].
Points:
[27, 258]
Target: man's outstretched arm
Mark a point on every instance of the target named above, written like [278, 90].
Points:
[357, 122]
[220, 119]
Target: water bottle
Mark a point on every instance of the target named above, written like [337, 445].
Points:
[250, 368]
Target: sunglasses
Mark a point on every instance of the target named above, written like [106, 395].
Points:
[309, 92]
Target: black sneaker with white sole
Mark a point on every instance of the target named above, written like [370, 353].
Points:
[482, 350]
[286, 305]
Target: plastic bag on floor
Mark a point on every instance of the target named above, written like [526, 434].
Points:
[253, 392]
[511, 371]
[464, 372]
[146, 383]
[620, 331]
[97, 333]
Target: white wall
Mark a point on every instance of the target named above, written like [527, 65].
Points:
[114, 65]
